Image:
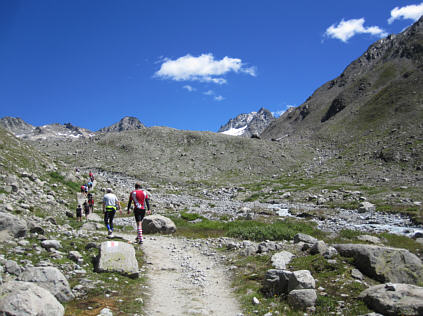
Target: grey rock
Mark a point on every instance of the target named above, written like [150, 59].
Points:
[12, 225]
[394, 299]
[281, 259]
[383, 263]
[304, 238]
[28, 299]
[301, 279]
[75, 256]
[366, 207]
[51, 279]
[158, 224]
[319, 247]
[117, 257]
[370, 239]
[94, 217]
[283, 281]
[356, 274]
[51, 244]
[301, 299]
[12, 267]
[248, 250]
[36, 229]
[330, 252]
[91, 245]
[276, 281]
[89, 226]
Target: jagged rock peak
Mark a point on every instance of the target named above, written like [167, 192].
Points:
[15, 125]
[128, 123]
[248, 124]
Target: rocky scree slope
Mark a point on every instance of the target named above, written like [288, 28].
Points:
[373, 109]
[166, 154]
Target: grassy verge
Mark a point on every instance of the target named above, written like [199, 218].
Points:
[255, 230]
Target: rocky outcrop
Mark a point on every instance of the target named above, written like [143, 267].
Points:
[28, 299]
[128, 123]
[117, 257]
[16, 125]
[384, 264]
[158, 224]
[394, 299]
[51, 279]
[11, 226]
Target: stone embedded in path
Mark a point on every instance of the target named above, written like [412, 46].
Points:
[383, 263]
[28, 299]
[51, 279]
[117, 257]
[11, 225]
[394, 299]
[158, 224]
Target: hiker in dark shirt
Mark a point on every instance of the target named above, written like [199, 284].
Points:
[79, 213]
[86, 209]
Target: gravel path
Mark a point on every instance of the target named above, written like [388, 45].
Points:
[186, 278]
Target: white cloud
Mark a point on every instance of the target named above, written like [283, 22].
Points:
[347, 29]
[209, 92]
[189, 88]
[203, 68]
[219, 98]
[410, 12]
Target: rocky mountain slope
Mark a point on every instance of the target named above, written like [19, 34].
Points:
[22, 129]
[374, 109]
[249, 124]
[128, 123]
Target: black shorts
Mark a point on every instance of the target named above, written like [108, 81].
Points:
[79, 213]
[139, 214]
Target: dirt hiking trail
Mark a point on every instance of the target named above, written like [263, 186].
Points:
[185, 278]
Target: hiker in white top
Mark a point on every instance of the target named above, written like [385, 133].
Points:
[110, 205]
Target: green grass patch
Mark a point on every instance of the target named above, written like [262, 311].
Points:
[57, 177]
[244, 229]
[398, 241]
[190, 216]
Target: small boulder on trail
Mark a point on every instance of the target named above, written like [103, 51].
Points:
[117, 257]
[158, 224]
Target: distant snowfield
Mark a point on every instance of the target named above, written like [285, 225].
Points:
[235, 131]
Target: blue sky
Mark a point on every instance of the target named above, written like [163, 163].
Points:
[189, 65]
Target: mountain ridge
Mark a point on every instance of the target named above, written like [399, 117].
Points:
[248, 124]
